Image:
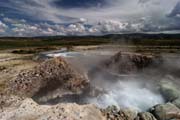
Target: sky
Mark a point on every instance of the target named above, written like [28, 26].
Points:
[88, 17]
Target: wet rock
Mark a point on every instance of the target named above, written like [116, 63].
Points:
[52, 78]
[166, 112]
[169, 90]
[113, 113]
[30, 110]
[177, 102]
[145, 116]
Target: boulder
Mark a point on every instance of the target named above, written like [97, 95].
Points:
[27, 109]
[166, 111]
[52, 78]
[145, 116]
[113, 113]
[169, 90]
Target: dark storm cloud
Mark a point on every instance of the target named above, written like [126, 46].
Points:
[176, 11]
[80, 3]
[80, 17]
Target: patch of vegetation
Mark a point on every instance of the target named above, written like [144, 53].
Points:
[24, 43]
[34, 50]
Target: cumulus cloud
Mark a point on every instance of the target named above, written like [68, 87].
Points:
[3, 27]
[31, 30]
[80, 28]
[83, 28]
[13, 21]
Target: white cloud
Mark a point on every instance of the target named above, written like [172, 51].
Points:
[13, 21]
[3, 27]
[102, 27]
[112, 26]
[74, 29]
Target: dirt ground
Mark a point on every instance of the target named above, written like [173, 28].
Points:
[11, 64]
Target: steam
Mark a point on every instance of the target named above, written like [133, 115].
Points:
[128, 94]
[139, 92]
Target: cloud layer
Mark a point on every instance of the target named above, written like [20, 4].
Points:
[82, 17]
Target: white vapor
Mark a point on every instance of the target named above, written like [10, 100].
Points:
[128, 94]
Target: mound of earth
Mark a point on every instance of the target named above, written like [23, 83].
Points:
[50, 79]
[124, 63]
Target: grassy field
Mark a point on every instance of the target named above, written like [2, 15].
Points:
[140, 42]
[22, 43]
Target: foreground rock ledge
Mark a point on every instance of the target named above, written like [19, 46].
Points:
[29, 110]
[16, 108]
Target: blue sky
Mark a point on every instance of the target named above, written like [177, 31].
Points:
[87, 17]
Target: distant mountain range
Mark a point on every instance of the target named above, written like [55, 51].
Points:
[133, 36]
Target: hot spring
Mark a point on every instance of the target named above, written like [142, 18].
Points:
[137, 91]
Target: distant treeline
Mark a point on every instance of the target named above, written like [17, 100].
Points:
[130, 39]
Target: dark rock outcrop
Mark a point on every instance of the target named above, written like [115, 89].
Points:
[54, 78]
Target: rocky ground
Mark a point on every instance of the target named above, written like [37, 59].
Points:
[12, 64]
[51, 75]
[30, 85]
